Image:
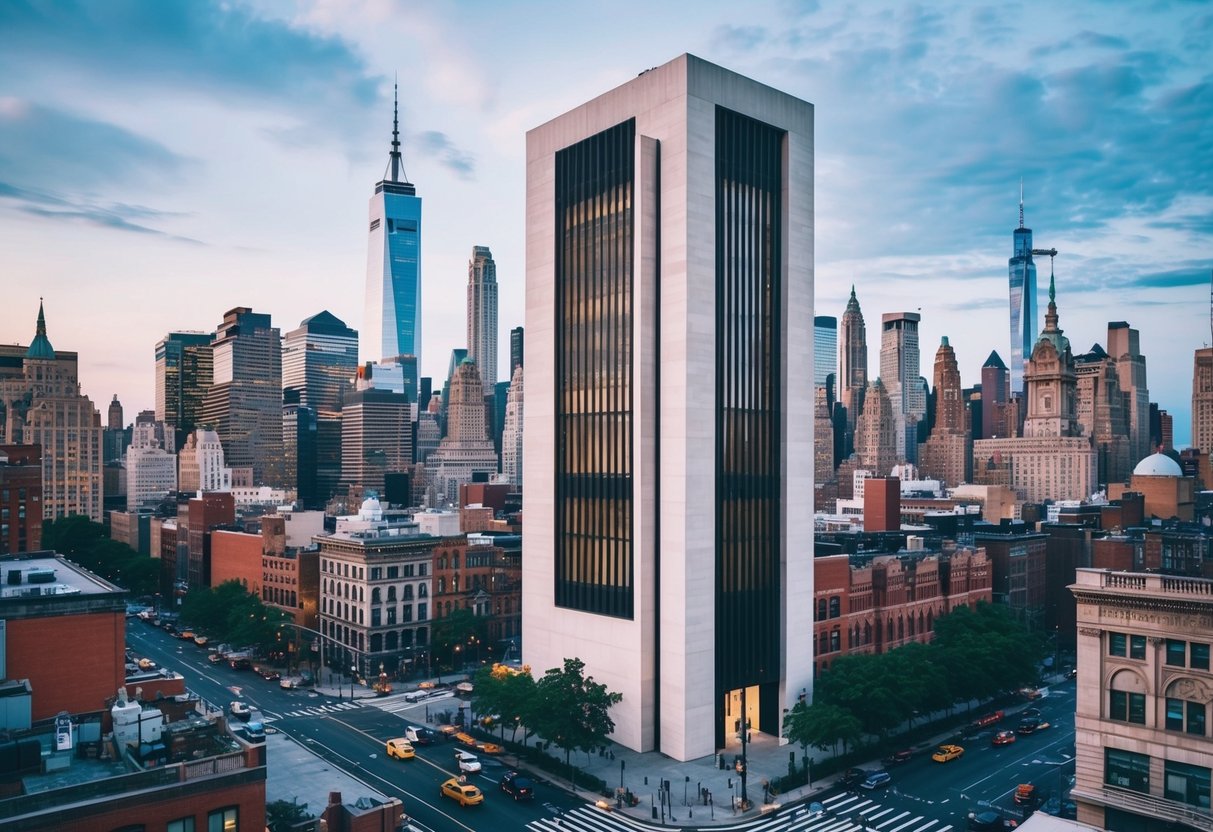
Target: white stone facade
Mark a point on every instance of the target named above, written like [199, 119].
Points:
[666, 650]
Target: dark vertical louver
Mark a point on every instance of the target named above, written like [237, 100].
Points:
[748, 425]
[594, 570]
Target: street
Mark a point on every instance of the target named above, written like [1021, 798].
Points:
[924, 796]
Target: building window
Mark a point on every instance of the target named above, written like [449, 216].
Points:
[393, 572]
[180, 825]
[1137, 647]
[1177, 653]
[1127, 770]
[835, 607]
[1127, 707]
[1186, 783]
[1200, 656]
[421, 610]
[821, 609]
[835, 640]
[224, 820]
[1116, 644]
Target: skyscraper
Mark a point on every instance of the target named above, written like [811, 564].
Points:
[515, 349]
[852, 362]
[875, 439]
[1125, 351]
[376, 437]
[319, 362]
[511, 440]
[114, 421]
[825, 348]
[995, 381]
[43, 405]
[244, 404]
[679, 203]
[466, 450]
[151, 471]
[1202, 400]
[1022, 274]
[392, 326]
[482, 315]
[899, 372]
[184, 372]
[947, 453]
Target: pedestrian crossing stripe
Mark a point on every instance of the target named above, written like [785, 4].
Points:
[320, 710]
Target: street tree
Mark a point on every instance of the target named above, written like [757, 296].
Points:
[572, 710]
[459, 628]
[821, 726]
[84, 542]
[507, 693]
[231, 613]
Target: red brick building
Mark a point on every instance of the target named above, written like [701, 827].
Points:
[482, 573]
[20, 498]
[1019, 573]
[201, 516]
[867, 604]
[236, 556]
[882, 504]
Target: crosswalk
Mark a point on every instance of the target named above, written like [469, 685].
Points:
[320, 710]
[847, 813]
[397, 705]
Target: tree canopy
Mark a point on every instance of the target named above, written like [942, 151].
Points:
[506, 693]
[84, 542]
[231, 613]
[572, 710]
[460, 628]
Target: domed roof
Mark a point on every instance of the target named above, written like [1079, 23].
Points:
[371, 509]
[40, 348]
[1158, 465]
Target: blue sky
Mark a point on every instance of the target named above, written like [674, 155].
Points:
[161, 163]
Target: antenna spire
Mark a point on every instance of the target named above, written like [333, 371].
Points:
[1021, 202]
[395, 132]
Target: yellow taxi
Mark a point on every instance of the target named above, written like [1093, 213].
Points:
[489, 748]
[401, 749]
[462, 793]
[947, 753]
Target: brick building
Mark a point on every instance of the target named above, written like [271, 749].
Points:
[1018, 562]
[482, 573]
[20, 498]
[201, 515]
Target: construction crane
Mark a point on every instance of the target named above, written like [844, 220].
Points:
[1052, 252]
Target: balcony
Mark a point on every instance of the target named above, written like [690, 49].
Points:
[1146, 806]
[1144, 584]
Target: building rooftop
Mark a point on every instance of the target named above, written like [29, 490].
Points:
[1158, 465]
[39, 574]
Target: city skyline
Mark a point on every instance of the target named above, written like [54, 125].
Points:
[175, 180]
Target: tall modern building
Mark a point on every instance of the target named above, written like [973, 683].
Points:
[482, 315]
[244, 404]
[376, 438]
[184, 372]
[516, 342]
[825, 348]
[668, 423]
[319, 362]
[899, 363]
[43, 405]
[1202, 400]
[1022, 275]
[852, 364]
[392, 326]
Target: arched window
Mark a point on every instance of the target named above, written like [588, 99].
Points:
[901, 628]
[441, 585]
[1127, 698]
[391, 593]
[835, 606]
[375, 597]
[911, 626]
[455, 560]
[390, 640]
[376, 643]
[867, 632]
[1187, 710]
[455, 582]
[423, 590]
[442, 563]
[889, 631]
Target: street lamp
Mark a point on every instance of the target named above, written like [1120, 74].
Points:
[353, 677]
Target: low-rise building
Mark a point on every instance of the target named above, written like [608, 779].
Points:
[20, 498]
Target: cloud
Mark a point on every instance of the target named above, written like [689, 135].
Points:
[215, 48]
[1192, 274]
[439, 146]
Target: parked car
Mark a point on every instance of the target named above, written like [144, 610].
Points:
[876, 780]
[462, 793]
[201, 641]
[269, 674]
[240, 664]
[215, 658]
[1004, 738]
[468, 763]
[898, 757]
[401, 749]
[947, 753]
[518, 786]
[240, 710]
[489, 748]
[987, 720]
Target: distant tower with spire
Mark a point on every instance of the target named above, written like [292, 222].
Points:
[1022, 273]
[392, 327]
[852, 364]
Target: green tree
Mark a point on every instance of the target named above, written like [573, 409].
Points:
[506, 693]
[867, 687]
[232, 614]
[457, 629]
[572, 710]
[282, 815]
[84, 542]
[986, 651]
[820, 726]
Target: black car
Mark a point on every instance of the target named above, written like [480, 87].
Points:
[518, 786]
[852, 777]
[903, 756]
[1027, 726]
[989, 821]
[1030, 713]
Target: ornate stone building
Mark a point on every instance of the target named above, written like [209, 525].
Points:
[947, 453]
[875, 439]
[1142, 722]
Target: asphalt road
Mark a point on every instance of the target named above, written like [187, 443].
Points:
[351, 736]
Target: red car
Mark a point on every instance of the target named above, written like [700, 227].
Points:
[1004, 738]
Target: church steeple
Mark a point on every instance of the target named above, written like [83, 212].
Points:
[41, 347]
